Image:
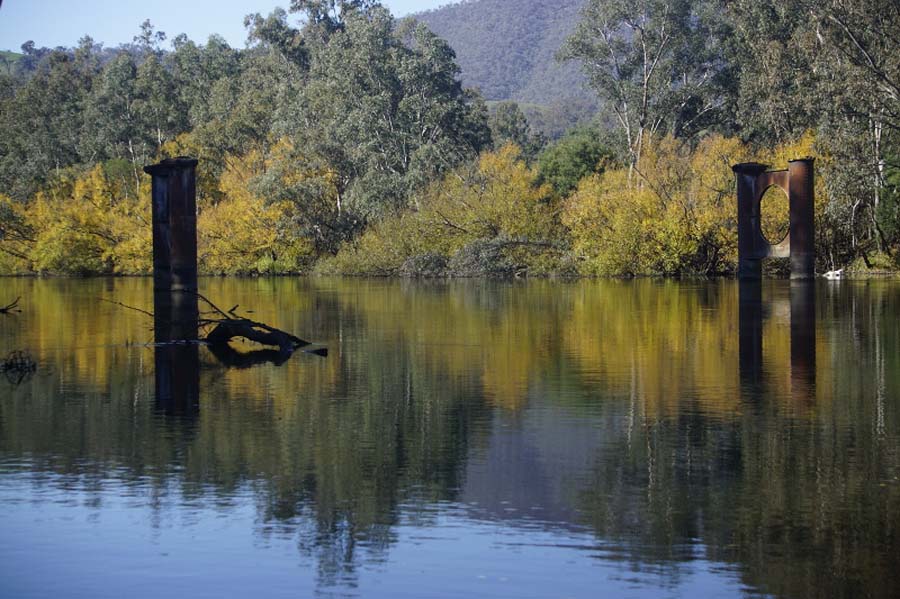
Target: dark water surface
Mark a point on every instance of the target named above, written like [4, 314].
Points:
[462, 439]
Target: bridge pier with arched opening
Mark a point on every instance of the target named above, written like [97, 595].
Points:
[753, 180]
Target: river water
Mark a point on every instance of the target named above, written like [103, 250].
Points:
[461, 439]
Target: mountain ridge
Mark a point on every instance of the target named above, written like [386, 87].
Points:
[507, 48]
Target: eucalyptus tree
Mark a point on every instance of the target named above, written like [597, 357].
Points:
[832, 66]
[195, 70]
[244, 108]
[775, 48]
[113, 126]
[656, 65]
[380, 110]
[510, 125]
[43, 123]
[862, 37]
[329, 16]
[157, 107]
[149, 41]
[864, 41]
[31, 57]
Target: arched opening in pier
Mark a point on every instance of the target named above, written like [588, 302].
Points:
[774, 213]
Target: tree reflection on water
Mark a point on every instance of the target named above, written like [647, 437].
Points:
[758, 424]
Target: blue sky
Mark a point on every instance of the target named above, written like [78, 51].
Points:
[112, 22]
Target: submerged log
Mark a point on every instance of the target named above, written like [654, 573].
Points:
[227, 329]
[230, 326]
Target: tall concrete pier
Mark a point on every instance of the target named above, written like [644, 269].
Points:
[175, 285]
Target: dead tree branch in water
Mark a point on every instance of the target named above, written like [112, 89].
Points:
[10, 308]
[229, 325]
[150, 314]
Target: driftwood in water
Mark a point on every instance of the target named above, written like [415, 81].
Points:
[228, 325]
[231, 326]
[227, 329]
[9, 308]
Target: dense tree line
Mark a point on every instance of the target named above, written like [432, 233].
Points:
[767, 73]
[344, 140]
[340, 119]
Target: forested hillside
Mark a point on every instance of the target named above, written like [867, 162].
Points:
[507, 49]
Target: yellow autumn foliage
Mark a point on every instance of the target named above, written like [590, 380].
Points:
[98, 221]
[94, 222]
[498, 200]
[674, 215]
[242, 233]
[16, 236]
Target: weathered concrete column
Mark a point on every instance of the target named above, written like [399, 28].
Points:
[177, 357]
[749, 258]
[174, 224]
[802, 221]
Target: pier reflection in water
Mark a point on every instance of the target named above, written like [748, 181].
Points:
[802, 326]
[176, 353]
[465, 438]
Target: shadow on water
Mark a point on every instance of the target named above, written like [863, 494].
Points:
[232, 358]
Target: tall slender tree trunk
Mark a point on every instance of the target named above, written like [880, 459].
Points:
[878, 158]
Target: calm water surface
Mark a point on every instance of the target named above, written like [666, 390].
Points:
[462, 439]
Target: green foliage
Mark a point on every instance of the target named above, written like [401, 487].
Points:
[888, 213]
[878, 263]
[41, 129]
[8, 61]
[555, 119]
[571, 159]
[382, 111]
[654, 63]
[509, 125]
